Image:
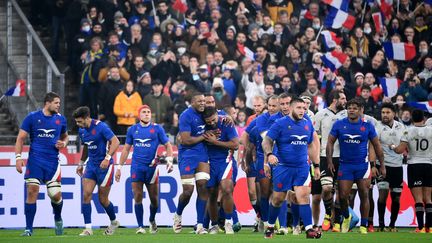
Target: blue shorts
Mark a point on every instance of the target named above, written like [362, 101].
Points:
[103, 177]
[259, 166]
[188, 164]
[284, 178]
[353, 172]
[222, 170]
[145, 174]
[252, 172]
[43, 171]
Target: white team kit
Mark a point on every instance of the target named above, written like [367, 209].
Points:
[387, 136]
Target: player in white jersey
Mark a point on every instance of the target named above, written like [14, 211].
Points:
[390, 132]
[323, 122]
[429, 122]
[417, 140]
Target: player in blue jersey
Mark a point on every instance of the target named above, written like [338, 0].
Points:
[257, 134]
[100, 144]
[48, 133]
[354, 134]
[193, 162]
[222, 140]
[145, 137]
[292, 136]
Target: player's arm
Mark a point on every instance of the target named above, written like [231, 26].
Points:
[329, 153]
[314, 149]
[379, 153]
[63, 141]
[267, 145]
[22, 135]
[113, 146]
[187, 139]
[169, 158]
[84, 156]
[123, 158]
[401, 148]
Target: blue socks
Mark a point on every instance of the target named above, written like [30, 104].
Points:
[139, 214]
[234, 215]
[86, 210]
[180, 207]
[110, 211]
[364, 222]
[30, 211]
[153, 211]
[201, 209]
[306, 214]
[283, 215]
[264, 205]
[295, 214]
[57, 208]
[273, 214]
[206, 220]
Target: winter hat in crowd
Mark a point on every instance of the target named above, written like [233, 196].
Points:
[217, 82]
[358, 75]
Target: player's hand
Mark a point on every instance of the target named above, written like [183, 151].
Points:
[317, 173]
[374, 172]
[19, 164]
[79, 170]
[331, 168]
[272, 159]
[267, 170]
[227, 120]
[104, 164]
[210, 137]
[169, 166]
[118, 175]
[383, 171]
[60, 144]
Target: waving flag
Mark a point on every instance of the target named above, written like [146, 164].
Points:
[424, 105]
[180, 5]
[399, 51]
[245, 51]
[378, 21]
[334, 59]
[337, 19]
[339, 4]
[386, 7]
[17, 90]
[330, 39]
[390, 86]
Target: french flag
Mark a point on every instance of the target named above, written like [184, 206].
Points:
[334, 59]
[339, 4]
[17, 90]
[180, 5]
[423, 105]
[330, 39]
[399, 51]
[378, 21]
[390, 86]
[245, 51]
[386, 7]
[337, 19]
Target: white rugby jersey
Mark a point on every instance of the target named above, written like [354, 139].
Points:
[387, 136]
[419, 141]
[429, 122]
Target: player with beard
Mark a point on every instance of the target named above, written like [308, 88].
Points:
[417, 140]
[48, 133]
[354, 134]
[323, 122]
[100, 144]
[390, 132]
[293, 136]
[145, 137]
[193, 162]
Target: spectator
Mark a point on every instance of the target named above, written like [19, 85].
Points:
[221, 97]
[108, 92]
[369, 104]
[253, 85]
[413, 90]
[126, 106]
[207, 42]
[114, 59]
[143, 86]
[158, 101]
[241, 122]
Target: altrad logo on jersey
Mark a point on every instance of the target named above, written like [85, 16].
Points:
[90, 146]
[299, 140]
[142, 142]
[46, 133]
[352, 138]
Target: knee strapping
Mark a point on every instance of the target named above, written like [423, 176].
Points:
[202, 176]
[383, 185]
[188, 181]
[32, 181]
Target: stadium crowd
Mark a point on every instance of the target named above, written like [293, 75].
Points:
[234, 50]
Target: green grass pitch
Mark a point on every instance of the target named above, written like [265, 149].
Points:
[165, 235]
